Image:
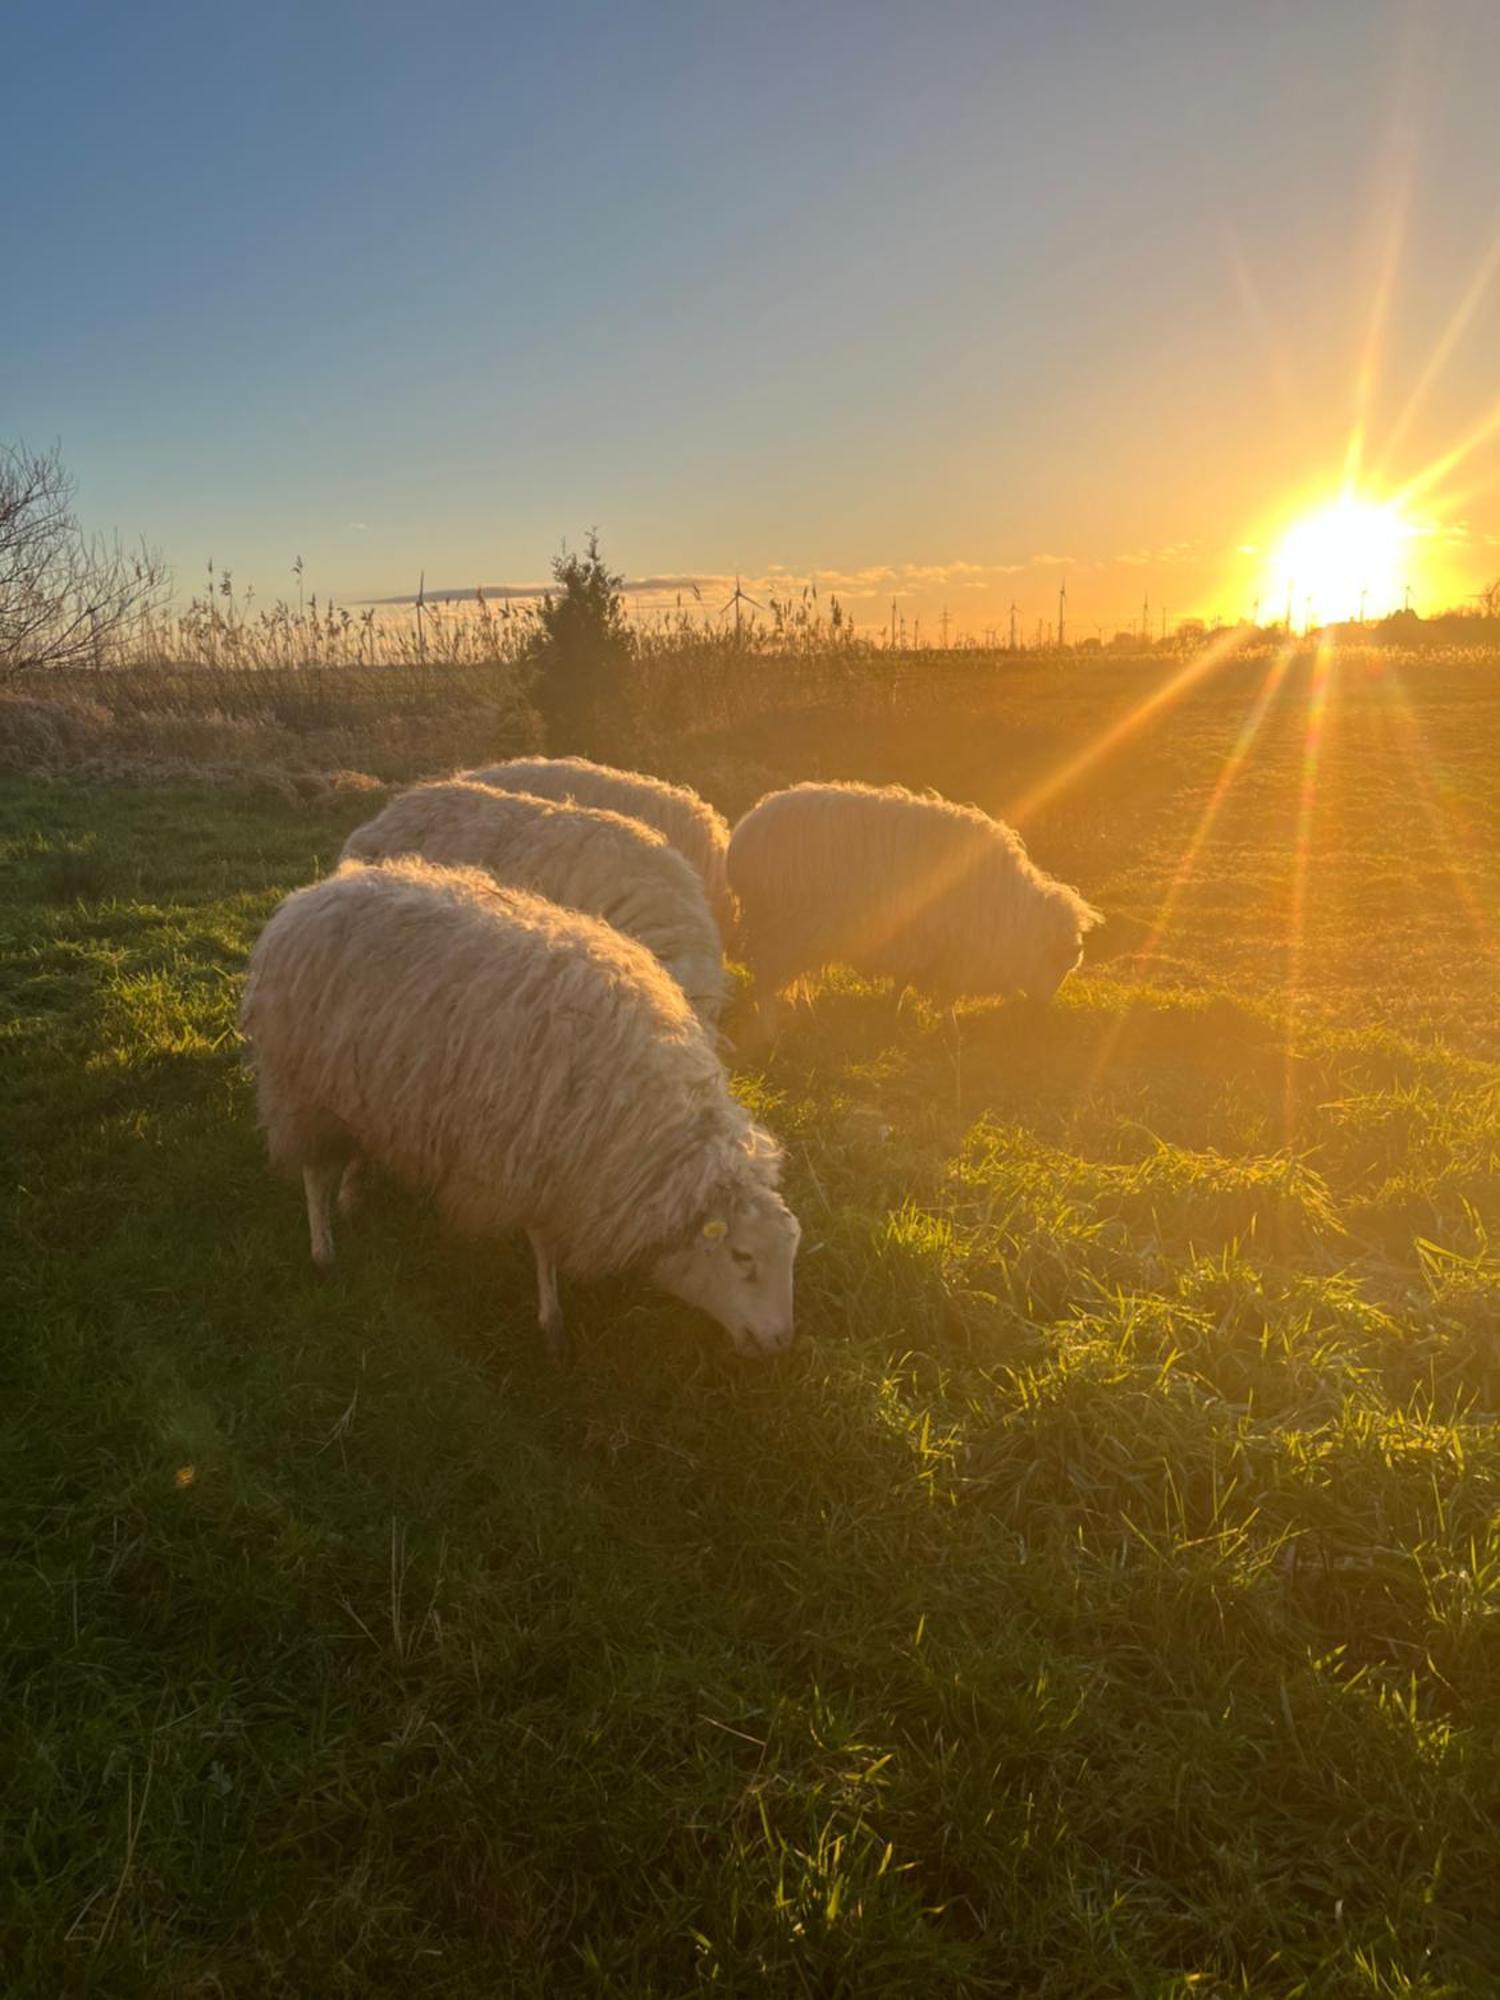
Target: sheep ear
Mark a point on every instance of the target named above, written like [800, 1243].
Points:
[715, 1228]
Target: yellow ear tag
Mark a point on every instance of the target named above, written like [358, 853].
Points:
[714, 1228]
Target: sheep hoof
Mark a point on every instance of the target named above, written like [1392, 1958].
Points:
[555, 1340]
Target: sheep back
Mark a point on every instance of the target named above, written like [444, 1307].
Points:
[599, 862]
[692, 825]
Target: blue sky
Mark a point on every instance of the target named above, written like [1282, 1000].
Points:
[908, 297]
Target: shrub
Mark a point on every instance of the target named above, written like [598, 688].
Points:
[580, 654]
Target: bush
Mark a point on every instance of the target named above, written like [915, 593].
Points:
[580, 654]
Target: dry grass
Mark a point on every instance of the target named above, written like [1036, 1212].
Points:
[293, 698]
[280, 725]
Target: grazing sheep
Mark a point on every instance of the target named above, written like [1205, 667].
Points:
[528, 1066]
[597, 862]
[690, 823]
[930, 894]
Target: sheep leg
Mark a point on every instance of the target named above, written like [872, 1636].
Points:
[322, 1183]
[549, 1308]
[352, 1188]
[958, 1058]
[766, 1018]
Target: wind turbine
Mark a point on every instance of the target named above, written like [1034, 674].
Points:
[740, 597]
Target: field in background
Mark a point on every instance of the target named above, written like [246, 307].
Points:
[1103, 1597]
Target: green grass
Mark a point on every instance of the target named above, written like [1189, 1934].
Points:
[1103, 1597]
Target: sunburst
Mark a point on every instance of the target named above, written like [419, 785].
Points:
[1349, 558]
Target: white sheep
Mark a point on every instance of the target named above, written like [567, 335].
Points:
[895, 885]
[529, 1067]
[598, 862]
[689, 822]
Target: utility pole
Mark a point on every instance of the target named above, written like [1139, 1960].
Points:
[943, 621]
[1164, 621]
[893, 624]
[1013, 646]
[1062, 613]
[1146, 618]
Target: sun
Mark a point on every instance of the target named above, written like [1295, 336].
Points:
[1348, 559]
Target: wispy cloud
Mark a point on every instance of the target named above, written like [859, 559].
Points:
[460, 594]
[891, 579]
[635, 586]
[1170, 552]
[854, 584]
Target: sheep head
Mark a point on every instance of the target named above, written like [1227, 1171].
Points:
[736, 1265]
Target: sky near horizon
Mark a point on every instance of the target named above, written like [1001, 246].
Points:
[935, 302]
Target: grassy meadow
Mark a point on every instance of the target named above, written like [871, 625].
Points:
[1103, 1597]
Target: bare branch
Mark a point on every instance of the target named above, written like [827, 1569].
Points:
[65, 600]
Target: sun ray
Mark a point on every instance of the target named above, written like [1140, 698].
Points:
[1445, 462]
[1045, 790]
[1229, 772]
[1452, 334]
[1397, 208]
[1318, 700]
[1453, 502]
[1452, 836]
[877, 926]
